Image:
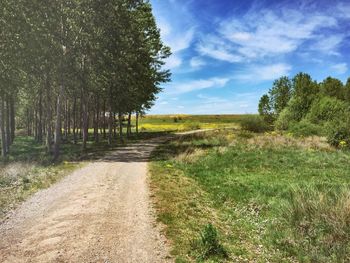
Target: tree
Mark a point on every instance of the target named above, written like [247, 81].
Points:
[333, 87]
[265, 109]
[280, 94]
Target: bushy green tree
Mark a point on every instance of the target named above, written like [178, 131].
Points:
[280, 94]
[332, 87]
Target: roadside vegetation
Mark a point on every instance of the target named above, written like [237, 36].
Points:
[268, 197]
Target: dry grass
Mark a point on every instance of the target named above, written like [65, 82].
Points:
[278, 140]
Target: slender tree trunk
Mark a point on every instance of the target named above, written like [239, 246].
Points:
[7, 126]
[120, 116]
[75, 120]
[12, 119]
[129, 125]
[65, 120]
[137, 122]
[114, 126]
[85, 122]
[97, 119]
[40, 123]
[58, 125]
[104, 119]
[110, 127]
[69, 118]
[2, 127]
[49, 115]
[29, 123]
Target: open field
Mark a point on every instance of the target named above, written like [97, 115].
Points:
[270, 197]
[182, 122]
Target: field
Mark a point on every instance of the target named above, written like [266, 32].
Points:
[151, 123]
[234, 196]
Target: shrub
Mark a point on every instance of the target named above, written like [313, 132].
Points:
[338, 133]
[254, 124]
[316, 224]
[208, 245]
[285, 119]
[327, 109]
[305, 128]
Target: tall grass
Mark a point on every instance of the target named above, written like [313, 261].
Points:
[316, 225]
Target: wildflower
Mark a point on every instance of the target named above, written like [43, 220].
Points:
[342, 144]
[169, 166]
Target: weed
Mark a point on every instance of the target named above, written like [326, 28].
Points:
[208, 244]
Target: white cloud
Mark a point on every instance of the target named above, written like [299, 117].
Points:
[340, 68]
[173, 61]
[197, 85]
[328, 44]
[218, 52]
[197, 62]
[267, 34]
[264, 73]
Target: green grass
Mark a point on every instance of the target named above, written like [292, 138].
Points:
[251, 190]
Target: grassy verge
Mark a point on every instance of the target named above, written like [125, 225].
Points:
[270, 198]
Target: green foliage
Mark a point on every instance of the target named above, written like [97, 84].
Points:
[265, 109]
[316, 224]
[280, 94]
[304, 128]
[208, 245]
[285, 119]
[333, 88]
[328, 109]
[338, 133]
[254, 123]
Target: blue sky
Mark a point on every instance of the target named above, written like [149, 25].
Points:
[226, 53]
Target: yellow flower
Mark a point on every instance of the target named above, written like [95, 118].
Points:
[342, 143]
[169, 166]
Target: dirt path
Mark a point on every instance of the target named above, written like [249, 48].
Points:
[100, 213]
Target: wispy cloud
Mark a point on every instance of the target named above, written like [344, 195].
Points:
[269, 33]
[340, 68]
[196, 85]
[197, 62]
[264, 72]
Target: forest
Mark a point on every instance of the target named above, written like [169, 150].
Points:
[67, 66]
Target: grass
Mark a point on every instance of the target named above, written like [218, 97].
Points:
[272, 198]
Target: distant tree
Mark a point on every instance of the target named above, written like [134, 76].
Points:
[332, 87]
[265, 109]
[305, 90]
[280, 94]
[347, 90]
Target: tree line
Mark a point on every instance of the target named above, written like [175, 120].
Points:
[67, 66]
[307, 107]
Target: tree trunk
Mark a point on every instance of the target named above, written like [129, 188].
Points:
[97, 120]
[12, 119]
[120, 126]
[40, 123]
[48, 116]
[129, 125]
[7, 126]
[75, 120]
[85, 122]
[110, 127]
[58, 125]
[2, 127]
[137, 123]
[104, 119]
[114, 127]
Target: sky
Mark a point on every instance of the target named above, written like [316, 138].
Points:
[227, 53]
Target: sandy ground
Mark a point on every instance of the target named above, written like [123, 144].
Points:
[99, 213]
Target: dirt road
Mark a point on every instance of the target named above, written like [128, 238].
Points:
[99, 213]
